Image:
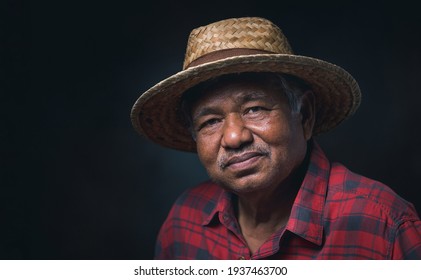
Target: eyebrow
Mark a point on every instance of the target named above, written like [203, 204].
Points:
[243, 98]
[252, 96]
[204, 112]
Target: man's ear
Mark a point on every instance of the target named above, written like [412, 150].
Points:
[308, 113]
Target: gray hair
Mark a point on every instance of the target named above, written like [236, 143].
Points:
[292, 87]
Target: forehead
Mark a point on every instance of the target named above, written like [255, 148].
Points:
[239, 92]
[244, 87]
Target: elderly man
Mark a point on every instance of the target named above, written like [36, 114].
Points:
[249, 107]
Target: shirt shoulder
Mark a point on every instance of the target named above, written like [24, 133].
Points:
[181, 234]
[197, 202]
[371, 195]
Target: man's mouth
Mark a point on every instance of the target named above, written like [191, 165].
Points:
[242, 161]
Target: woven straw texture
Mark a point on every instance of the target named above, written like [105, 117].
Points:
[242, 33]
[156, 114]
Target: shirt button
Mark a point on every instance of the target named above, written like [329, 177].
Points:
[242, 258]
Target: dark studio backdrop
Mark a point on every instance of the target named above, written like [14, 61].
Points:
[77, 182]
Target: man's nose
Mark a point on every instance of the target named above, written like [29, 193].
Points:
[235, 133]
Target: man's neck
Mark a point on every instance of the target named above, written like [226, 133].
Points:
[260, 216]
[264, 213]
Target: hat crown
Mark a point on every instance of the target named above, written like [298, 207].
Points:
[249, 33]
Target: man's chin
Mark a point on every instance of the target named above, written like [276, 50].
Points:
[244, 185]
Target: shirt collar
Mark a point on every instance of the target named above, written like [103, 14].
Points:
[222, 206]
[306, 218]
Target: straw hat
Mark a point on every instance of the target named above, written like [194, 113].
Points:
[234, 46]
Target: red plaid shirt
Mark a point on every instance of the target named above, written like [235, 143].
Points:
[337, 214]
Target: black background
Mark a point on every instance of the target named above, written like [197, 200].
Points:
[77, 182]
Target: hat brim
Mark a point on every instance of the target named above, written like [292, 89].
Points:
[156, 113]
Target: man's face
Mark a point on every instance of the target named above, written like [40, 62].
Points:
[247, 137]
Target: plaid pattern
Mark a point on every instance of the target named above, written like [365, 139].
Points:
[337, 214]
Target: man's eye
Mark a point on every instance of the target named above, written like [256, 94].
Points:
[255, 109]
[209, 123]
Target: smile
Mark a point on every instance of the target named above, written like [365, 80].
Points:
[243, 161]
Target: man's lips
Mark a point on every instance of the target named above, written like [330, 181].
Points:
[241, 159]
